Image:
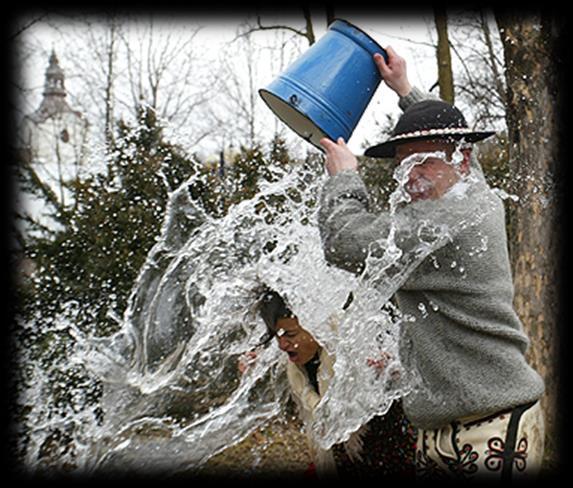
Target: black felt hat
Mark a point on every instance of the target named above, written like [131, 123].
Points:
[429, 119]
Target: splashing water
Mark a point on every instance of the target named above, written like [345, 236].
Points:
[191, 316]
[173, 395]
[367, 329]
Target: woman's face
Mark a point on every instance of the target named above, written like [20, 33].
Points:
[295, 341]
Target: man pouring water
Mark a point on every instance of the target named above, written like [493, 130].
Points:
[477, 411]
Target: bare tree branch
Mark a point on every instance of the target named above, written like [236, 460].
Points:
[27, 26]
[407, 39]
[308, 33]
[46, 191]
[493, 63]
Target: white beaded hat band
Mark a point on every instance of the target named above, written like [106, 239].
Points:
[429, 119]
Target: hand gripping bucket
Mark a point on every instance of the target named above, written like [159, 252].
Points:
[325, 92]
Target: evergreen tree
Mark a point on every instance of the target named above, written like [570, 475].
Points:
[95, 260]
[279, 151]
[248, 166]
[84, 272]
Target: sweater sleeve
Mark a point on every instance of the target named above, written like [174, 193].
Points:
[347, 229]
[416, 95]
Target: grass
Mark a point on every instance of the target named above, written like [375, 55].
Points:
[280, 448]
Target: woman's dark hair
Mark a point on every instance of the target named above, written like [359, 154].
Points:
[272, 309]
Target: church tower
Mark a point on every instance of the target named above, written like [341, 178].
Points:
[55, 135]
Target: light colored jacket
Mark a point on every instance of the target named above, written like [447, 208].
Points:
[307, 399]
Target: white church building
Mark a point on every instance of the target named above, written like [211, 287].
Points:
[53, 140]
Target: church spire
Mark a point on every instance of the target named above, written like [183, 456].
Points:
[54, 101]
[54, 84]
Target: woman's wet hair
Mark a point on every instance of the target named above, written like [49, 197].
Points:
[273, 308]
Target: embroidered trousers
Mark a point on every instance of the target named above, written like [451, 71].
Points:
[507, 446]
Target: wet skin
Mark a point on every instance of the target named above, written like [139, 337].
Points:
[428, 180]
[299, 344]
[431, 179]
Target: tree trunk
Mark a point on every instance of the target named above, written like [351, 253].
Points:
[309, 27]
[532, 70]
[445, 77]
[330, 15]
[497, 78]
[109, 92]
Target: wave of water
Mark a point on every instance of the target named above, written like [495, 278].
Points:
[173, 395]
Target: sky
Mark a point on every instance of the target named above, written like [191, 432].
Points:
[409, 34]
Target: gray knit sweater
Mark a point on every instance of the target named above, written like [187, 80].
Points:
[466, 341]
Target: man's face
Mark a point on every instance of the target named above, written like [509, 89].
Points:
[434, 176]
[295, 341]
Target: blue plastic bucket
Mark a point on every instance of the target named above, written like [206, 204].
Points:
[325, 92]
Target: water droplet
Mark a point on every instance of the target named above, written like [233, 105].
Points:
[435, 307]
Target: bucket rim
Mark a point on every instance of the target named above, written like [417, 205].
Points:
[368, 36]
[265, 91]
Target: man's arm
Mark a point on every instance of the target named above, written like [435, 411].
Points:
[346, 227]
[395, 76]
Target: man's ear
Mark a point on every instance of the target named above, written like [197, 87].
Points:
[465, 164]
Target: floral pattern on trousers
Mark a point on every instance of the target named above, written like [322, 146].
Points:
[508, 445]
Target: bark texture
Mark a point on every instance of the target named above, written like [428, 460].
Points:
[533, 64]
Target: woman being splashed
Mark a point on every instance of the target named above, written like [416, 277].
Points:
[384, 447]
